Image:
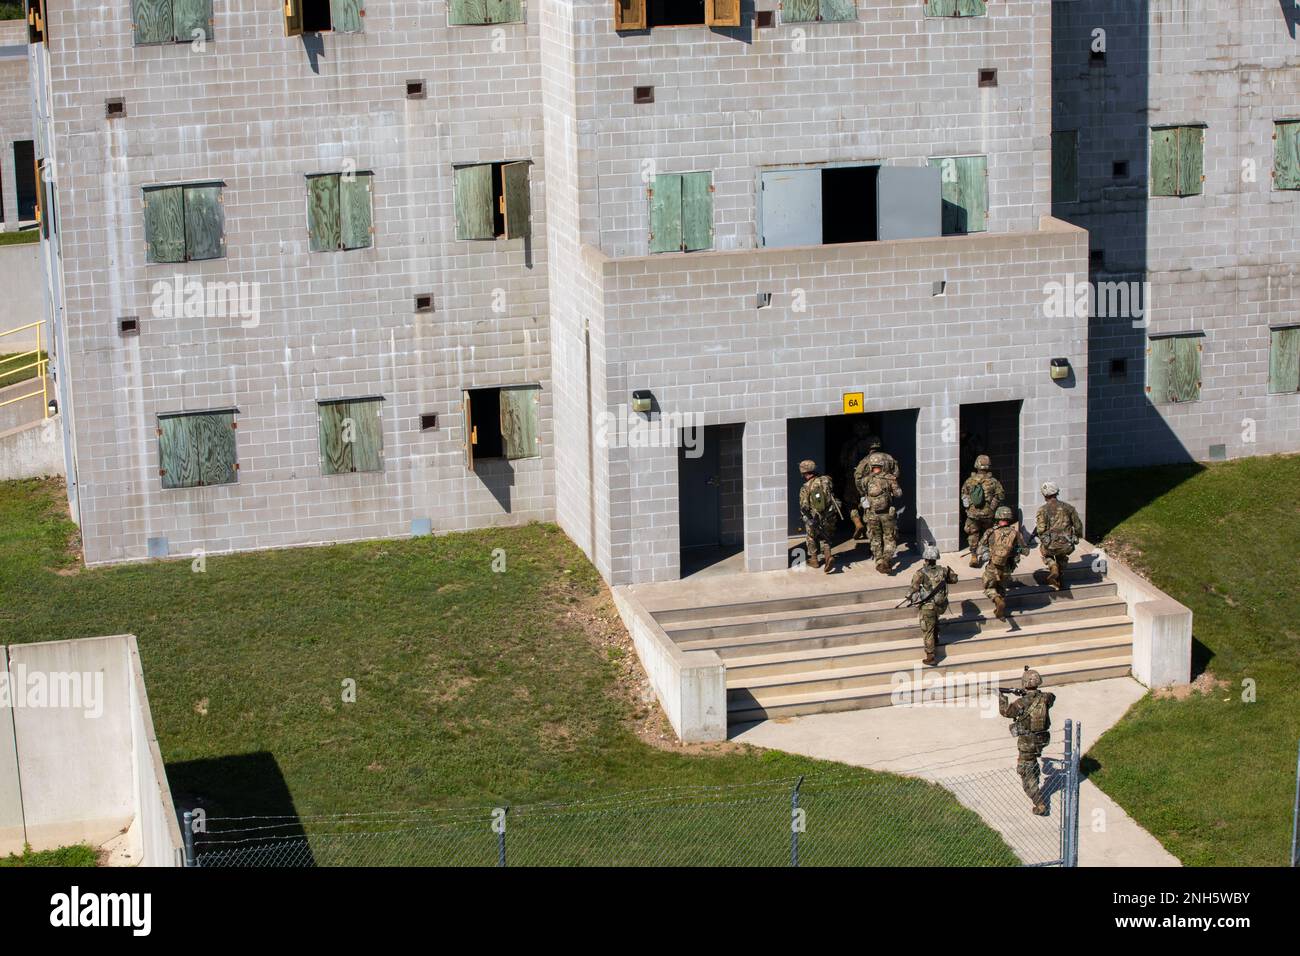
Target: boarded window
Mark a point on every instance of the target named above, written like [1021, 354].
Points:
[339, 211]
[351, 435]
[492, 201]
[501, 423]
[1286, 155]
[681, 212]
[726, 13]
[1177, 160]
[964, 181]
[197, 449]
[1284, 360]
[1065, 166]
[955, 8]
[35, 10]
[806, 11]
[1174, 369]
[464, 12]
[184, 223]
[171, 21]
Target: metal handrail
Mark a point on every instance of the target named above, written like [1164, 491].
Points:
[42, 366]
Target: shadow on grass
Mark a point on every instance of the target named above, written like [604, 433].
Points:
[1116, 495]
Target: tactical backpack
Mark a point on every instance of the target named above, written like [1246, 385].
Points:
[878, 494]
[818, 500]
[1002, 546]
[1038, 718]
[940, 597]
[976, 495]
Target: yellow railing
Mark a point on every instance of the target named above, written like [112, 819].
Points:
[40, 361]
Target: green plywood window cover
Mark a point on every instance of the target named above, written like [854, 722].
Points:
[1177, 160]
[955, 8]
[476, 12]
[355, 219]
[195, 450]
[1065, 166]
[697, 211]
[151, 21]
[346, 16]
[351, 435]
[666, 213]
[192, 20]
[519, 415]
[1174, 369]
[164, 224]
[205, 223]
[964, 181]
[1284, 360]
[324, 218]
[518, 208]
[474, 213]
[1286, 155]
[807, 11]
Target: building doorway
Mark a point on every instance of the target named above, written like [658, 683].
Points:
[711, 498]
[25, 179]
[829, 440]
[993, 429]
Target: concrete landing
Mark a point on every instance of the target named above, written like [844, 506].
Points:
[973, 755]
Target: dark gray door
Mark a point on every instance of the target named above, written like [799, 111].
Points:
[698, 491]
[791, 201]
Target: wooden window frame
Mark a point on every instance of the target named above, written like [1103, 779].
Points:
[169, 481]
[519, 16]
[929, 8]
[1276, 369]
[676, 184]
[471, 436]
[1192, 340]
[186, 244]
[353, 409]
[1182, 189]
[340, 210]
[792, 12]
[294, 19]
[634, 15]
[175, 39]
[988, 197]
[1284, 130]
[510, 201]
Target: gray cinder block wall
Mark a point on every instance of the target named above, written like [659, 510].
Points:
[15, 116]
[1221, 263]
[259, 111]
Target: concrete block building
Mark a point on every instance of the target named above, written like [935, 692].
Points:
[331, 271]
[1175, 128]
[17, 155]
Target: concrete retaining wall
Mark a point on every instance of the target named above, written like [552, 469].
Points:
[1162, 628]
[85, 760]
[691, 685]
[34, 450]
[21, 303]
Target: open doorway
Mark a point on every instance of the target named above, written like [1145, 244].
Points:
[711, 498]
[834, 442]
[25, 179]
[993, 429]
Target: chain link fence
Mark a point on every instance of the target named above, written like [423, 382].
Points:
[856, 818]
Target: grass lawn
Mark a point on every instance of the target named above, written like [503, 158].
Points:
[79, 855]
[19, 238]
[473, 688]
[1212, 776]
[13, 367]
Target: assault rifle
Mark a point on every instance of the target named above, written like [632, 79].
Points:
[1018, 691]
[909, 602]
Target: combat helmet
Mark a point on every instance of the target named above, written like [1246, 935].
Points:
[1004, 514]
[1031, 680]
[931, 553]
[982, 463]
[873, 442]
[807, 466]
[1050, 489]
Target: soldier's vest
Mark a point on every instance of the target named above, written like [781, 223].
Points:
[1059, 535]
[936, 577]
[1034, 717]
[878, 494]
[1002, 546]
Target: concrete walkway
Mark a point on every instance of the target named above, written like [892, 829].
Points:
[969, 750]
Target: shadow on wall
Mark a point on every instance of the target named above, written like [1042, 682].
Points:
[1102, 97]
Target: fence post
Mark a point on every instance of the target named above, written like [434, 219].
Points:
[1066, 793]
[1074, 793]
[794, 822]
[187, 834]
[1295, 815]
[499, 824]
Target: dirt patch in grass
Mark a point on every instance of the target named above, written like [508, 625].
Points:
[1205, 685]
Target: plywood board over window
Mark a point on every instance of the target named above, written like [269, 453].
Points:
[1284, 360]
[470, 12]
[1174, 369]
[955, 8]
[681, 212]
[1286, 154]
[192, 20]
[1065, 165]
[171, 21]
[492, 201]
[351, 435]
[964, 181]
[722, 13]
[339, 211]
[808, 11]
[196, 449]
[1177, 160]
[501, 423]
[184, 223]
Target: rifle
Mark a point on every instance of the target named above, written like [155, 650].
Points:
[1018, 691]
[908, 602]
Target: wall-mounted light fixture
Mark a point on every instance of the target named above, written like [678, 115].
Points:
[53, 407]
[642, 401]
[1060, 368]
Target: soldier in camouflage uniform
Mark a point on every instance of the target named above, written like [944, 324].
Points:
[818, 508]
[1031, 722]
[879, 490]
[980, 504]
[1003, 545]
[931, 578]
[853, 451]
[1059, 529]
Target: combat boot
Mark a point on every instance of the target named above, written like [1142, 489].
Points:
[884, 566]
[930, 660]
[1040, 809]
[974, 558]
[828, 560]
[1000, 607]
[859, 529]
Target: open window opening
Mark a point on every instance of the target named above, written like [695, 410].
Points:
[866, 202]
[849, 204]
[322, 16]
[493, 201]
[647, 14]
[675, 13]
[501, 423]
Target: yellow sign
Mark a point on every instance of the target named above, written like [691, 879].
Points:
[852, 403]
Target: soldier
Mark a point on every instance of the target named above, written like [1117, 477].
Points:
[1031, 722]
[1003, 545]
[818, 508]
[981, 496]
[930, 593]
[879, 490]
[851, 453]
[1059, 529]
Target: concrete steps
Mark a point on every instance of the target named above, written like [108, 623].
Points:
[852, 648]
